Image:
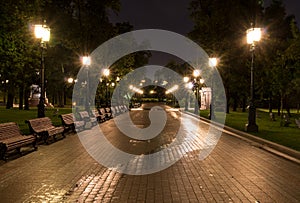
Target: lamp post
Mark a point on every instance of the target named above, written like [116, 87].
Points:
[106, 73]
[111, 89]
[68, 82]
[42, 32]
[86, 62]
[253, 36]
[196, 74]
[213, 62]
[186, 80]
[118, 90]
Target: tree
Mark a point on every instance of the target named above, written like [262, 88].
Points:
[220, 33]
[278, 69]
[17, 48]
[218, 30]
[84, 26]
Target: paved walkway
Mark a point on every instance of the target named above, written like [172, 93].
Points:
[234, 172]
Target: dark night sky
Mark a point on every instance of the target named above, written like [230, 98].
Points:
[171, 15]
[159, 14]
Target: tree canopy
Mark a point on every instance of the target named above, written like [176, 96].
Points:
[77, 28]
[220, 29]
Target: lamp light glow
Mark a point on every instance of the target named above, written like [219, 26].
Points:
[106, 72]
[42, 32]
[70, 80]
[196, 73]
[86, 60]
[213, 62]
[186, 79]
[253, 35]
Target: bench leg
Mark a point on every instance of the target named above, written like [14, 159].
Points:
[19, 150]
[45, 137]
[3, 153]
[35, 146]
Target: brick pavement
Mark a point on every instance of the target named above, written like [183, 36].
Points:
[235, 171]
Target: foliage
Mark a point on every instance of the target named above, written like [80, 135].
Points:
[221, 34]
[77, 28]
[220, 29]
[19, 57]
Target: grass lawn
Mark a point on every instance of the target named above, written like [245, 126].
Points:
[19, 116]
[267, 129]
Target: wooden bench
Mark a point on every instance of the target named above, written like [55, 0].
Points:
[89, 121]
[108, 112]
[43, 127]
[69, 122]
[123, 108]
[99, 116]
[115, 111]
[104, 113]
[12, 139]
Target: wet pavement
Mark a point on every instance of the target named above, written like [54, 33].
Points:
[235, 171]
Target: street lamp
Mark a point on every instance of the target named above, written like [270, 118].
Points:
[86, 62]
[70, 80]
[67, 83]
[196, 74]
[253, 36]
[213, 62]
[42, 32]
[106, 73]
[186, 80]
[118, 90]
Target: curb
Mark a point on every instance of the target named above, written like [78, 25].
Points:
[274, 148]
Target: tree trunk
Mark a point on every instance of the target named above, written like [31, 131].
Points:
[60, 99]
[228, 99]
[281, 105]
[287, 106]
[278, 106]
[270, 103]
[21, 96]
[26, 94]
[65, 96]
[10, 100]
[235, 104]
[53, 99]
[244, 104]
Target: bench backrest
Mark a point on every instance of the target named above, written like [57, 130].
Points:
[96, 113]
[8, 130]
[113, 110]
[38, 124]
[68, 119]
[84, 114]
[107, 109]
[117, 110]
[102, 111]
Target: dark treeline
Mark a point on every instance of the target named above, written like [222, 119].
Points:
[220, 29]
[78, 27]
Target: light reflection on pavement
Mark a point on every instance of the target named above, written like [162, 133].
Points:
[235, 171]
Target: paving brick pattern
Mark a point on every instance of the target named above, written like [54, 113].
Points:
[235, 171]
